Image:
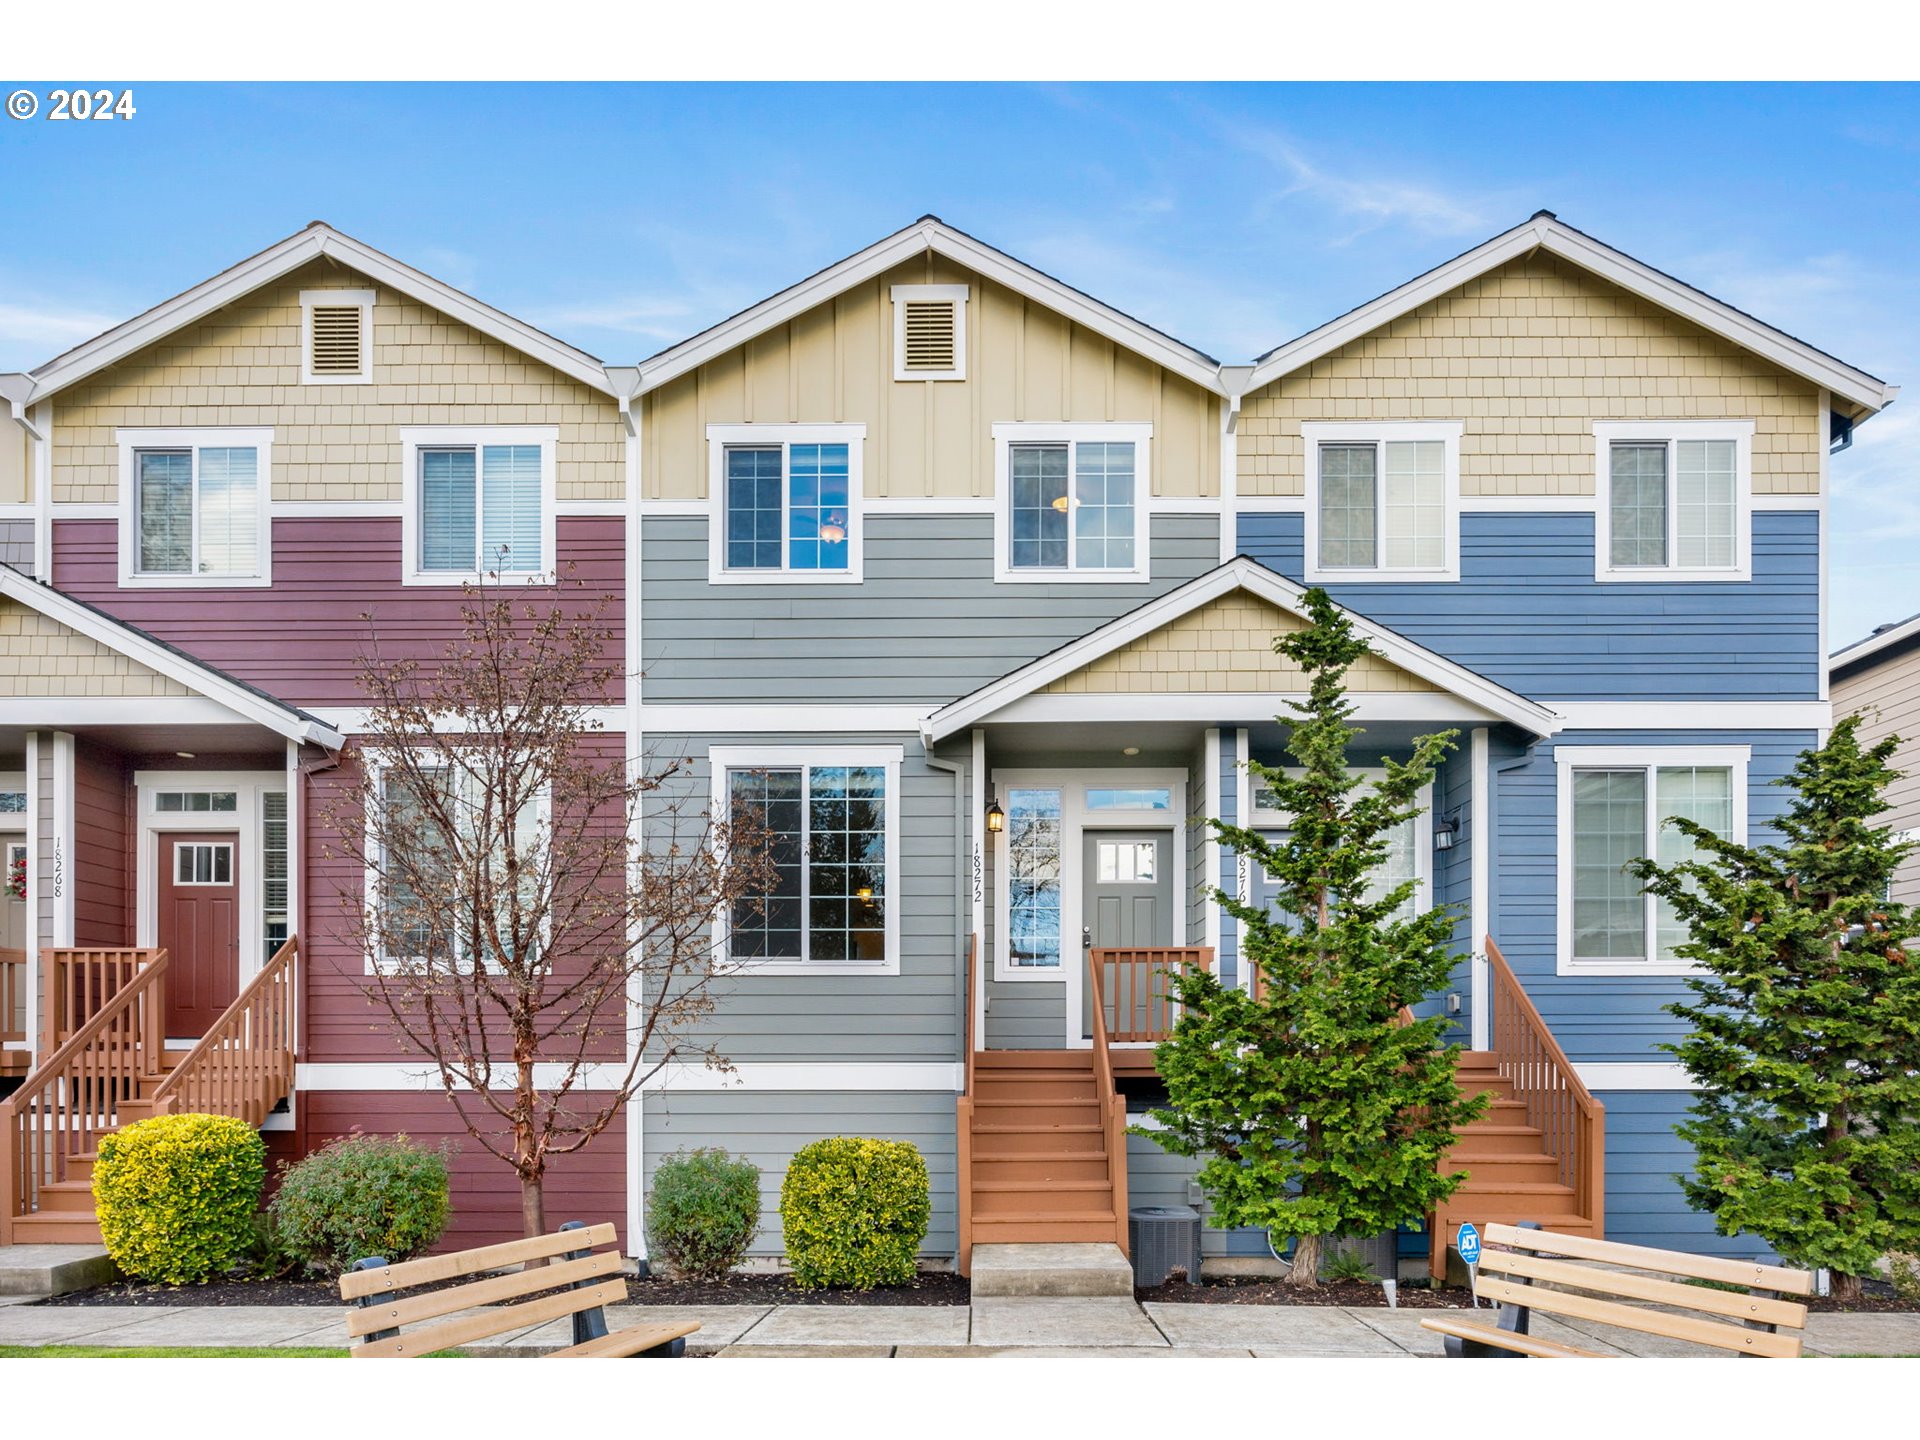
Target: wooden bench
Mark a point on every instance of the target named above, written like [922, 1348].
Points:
[1530, 1269]
[582, 1281]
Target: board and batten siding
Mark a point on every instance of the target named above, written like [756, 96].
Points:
[1528, 613]
[927, 625]
[929, 437]
[16, 464]
[766, 1127]
[1528, 356]
[1888, 691]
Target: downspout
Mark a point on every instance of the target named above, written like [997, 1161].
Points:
[16, 390]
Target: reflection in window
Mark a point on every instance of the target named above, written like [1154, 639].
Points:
[1160, 798]
[1033, 878]
[1126, 862]
[826, 830]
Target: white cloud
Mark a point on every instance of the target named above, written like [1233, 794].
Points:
[33, 332]
[1367, 201]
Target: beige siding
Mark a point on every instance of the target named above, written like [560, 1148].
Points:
[1529, 356]
[16, 474]
[929, 437]
[1224, 646]
[40, 656]
[241, 366]
[1890, 694]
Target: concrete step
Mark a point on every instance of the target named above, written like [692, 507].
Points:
[39, 1270]
[1054, 1269]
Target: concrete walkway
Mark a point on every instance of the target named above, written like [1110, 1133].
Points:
[994, 1326]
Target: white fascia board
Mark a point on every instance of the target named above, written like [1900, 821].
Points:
[1214, 708]
[1692, 714]
[219, 688]
[1874, 644]
[281, 259]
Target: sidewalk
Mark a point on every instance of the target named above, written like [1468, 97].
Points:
[991, 1327]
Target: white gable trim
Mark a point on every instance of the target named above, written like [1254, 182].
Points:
[1237, 574]
[1544, 232]
[1859, 650]
[221, 689]
[897, 249]
[315, 241]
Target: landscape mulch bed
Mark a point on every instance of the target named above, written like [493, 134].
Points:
[1250, 1291]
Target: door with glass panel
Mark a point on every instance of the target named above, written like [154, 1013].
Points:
[1127, 900]
[199, 913]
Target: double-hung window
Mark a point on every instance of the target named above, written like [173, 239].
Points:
[1383, 501]
[195, 507]
[828, 819]
[1614, 805]
[1072, 501]
[478, 502]
[786, 503]
[1675, 500]
[1408, 848]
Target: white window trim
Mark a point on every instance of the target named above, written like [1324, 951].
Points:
[719, 437]
[1315, 433]
[1606, 433]
[723, 759]
[1007, 434]
[1567, 759]
[415, 438]
[1267, 818]
[364, 300]
[130, 441]
[956, 293]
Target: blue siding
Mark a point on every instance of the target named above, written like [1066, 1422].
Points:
[1528, 613]
[1645, 1205]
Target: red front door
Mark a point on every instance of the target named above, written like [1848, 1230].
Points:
[199, 928]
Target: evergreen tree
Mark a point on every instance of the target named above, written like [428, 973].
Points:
[1317, 1110]
[1805, 1042]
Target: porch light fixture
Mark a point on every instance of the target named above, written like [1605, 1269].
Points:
[996, 818]
[1445, 831]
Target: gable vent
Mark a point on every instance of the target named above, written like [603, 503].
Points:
[336, 339]
[930, 332]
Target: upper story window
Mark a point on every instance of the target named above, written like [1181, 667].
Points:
[930, 332]
[1613, 805]
[194, 507]
[1071, 501]
[786, 503]
[1407, 846]
[336, 337]
[1383, 501]
[1675, 499]
[478, 502]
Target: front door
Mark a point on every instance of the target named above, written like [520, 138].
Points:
[199, 928]
[1127, 885]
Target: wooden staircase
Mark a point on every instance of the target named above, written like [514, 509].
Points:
[1511, 1175]
[1042, 1164]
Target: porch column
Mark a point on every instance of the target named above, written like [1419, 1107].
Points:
[977, 888]
[1480, 862]
[49, 881]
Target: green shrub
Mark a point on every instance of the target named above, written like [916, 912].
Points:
[1904, 1271]
[702, 1212]
[177, 1195]
[855, 1212]
[362, 1195]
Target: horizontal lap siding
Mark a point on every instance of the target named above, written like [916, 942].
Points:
[767, 1127]
[927, 625]
[1645, 1205]
[589, 1185]
[912, 1016]
[102, 865]
[1889, 693]
[301, 640]
[1528, 613]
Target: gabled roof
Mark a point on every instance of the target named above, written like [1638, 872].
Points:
[930, 232]
[317, 240]
[1544, 231]
[1883, 643]
[246, 701]
[1240, 573]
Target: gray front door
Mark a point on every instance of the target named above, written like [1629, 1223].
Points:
[1127, 879]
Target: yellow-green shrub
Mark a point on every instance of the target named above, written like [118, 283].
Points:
[176, 1195]
[854, 1212]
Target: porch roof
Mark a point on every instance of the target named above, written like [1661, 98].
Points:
[110, 672]
[1213, 633]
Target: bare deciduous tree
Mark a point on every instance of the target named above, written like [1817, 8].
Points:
[516, 911]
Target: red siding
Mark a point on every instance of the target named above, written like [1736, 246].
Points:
[590, 1185]
[102, 861]
[302, 639]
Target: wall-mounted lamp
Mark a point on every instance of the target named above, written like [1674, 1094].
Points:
[1445, 831]
[996, 818]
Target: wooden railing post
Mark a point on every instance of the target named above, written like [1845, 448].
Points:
[243, 1065]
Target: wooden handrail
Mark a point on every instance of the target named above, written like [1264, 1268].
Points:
[13, 995]
[1113, 1105]
[77, 981]
[243, 1065]
[73, 1097]
[1143, 1009]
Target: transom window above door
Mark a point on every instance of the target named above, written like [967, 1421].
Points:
[1675, 500]
[786, 503]
[478, 502]
[1072, 502]
[194, 507]
[1383, 501]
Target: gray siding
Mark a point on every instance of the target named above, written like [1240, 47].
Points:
[768, 1126]
[927, 624]
[16, 544]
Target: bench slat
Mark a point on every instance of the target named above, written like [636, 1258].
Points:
[1635, 1286]
[390, 1315]
[356, 1283]
[630, 1341]
[1647, 1322]
[493, 1321]
[1672, 1262]
[1507, 1340]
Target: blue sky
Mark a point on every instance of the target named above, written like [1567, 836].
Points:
[625, 217]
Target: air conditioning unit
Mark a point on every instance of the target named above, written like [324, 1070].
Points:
[1162, 1239]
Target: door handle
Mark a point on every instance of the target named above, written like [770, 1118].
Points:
[1086, 937]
